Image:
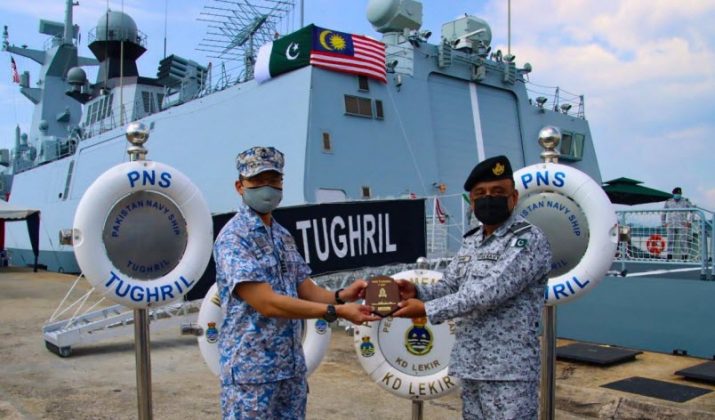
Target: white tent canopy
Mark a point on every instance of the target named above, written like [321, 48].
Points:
[31, 216]
[10, 212]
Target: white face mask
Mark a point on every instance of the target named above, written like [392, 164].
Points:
[263, 199]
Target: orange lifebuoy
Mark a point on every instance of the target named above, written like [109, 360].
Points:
[655, 244]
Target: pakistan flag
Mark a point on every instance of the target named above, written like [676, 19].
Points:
[284, 54]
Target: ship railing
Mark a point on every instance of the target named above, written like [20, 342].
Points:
[667, 236]
[556, 99]
[118, 35]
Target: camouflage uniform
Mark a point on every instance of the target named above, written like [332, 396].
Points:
[262, 364]
[678, 229]
[494, 287]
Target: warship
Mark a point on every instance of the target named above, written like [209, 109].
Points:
[348, 136]
[412, 128]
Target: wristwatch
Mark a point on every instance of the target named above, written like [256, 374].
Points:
[337, 297]
[331, 314]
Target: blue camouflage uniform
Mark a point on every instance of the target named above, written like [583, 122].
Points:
[262, 364]
[494, 288]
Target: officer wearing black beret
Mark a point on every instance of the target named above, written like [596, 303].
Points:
[495, 286]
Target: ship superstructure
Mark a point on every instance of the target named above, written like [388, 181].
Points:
[445, 106]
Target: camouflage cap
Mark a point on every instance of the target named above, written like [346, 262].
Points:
[491, 169]
[259, 159]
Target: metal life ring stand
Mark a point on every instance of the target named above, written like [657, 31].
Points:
[377, 358]
[178, 198]
[599, 255]
[316, 334]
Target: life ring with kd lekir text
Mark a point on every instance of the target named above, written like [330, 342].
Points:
[655, 244]
[316, 334]
[143, 234]
[562, 193]
[408, 357]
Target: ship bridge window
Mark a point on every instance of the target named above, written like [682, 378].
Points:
[572, 145]
[363, 84]
[366, 193]
[379, 112]
[327, 143]
[358, 106]
[148, 100]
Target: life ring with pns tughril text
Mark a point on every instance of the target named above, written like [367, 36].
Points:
[143, 234]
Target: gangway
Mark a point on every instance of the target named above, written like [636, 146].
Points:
[91, 325]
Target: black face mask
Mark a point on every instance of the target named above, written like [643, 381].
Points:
[492, 210]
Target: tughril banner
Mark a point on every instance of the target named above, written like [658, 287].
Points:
[345, 236]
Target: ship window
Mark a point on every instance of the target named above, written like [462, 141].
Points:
[107, 105]
[148, 100]
[572, 145]
[160, 100]
[379, 113]
[365, 191]
[357, 106]
[327, 143]
[89, 114]
[93, 112]
[111, 102]
[363, 84]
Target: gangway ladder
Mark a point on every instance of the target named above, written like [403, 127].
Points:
[94, 325]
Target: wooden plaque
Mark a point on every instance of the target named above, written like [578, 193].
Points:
[383, 295]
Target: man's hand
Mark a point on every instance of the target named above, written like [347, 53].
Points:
[354, 292]
[408, 290]
[356, 313]
[410, 308]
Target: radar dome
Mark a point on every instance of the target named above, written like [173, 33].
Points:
[76, 76]
[116, 26]
[394, 15]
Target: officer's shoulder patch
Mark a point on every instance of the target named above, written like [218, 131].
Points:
[519, 242]
[520, 227]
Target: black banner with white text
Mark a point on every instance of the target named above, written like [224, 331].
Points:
[345, 236]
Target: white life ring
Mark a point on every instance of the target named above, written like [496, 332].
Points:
[416, 369]
[316, 334]
[556, 181]
[118, 222]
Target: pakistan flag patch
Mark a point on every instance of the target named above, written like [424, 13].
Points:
[520, 243]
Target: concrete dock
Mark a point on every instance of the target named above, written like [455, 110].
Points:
[98, 381]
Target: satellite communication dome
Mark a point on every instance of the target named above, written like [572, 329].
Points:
[116, 26]
[76, 76]
[394, 15]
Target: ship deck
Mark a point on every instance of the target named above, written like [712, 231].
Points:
[98, 381]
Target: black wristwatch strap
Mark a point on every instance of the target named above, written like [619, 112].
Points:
[337, 297]
[331, 314]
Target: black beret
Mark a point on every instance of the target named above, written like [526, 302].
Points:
[677, 190]
[492, 169]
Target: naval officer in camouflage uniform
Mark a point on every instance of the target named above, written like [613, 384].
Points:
[677, 224]
[494, 288]
[265, 290]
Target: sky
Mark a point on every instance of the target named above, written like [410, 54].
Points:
[645, 67]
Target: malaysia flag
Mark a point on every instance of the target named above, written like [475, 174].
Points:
[347, 53]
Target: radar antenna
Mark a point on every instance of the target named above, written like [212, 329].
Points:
[237, 28]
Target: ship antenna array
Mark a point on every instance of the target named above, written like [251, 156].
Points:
[238, 28]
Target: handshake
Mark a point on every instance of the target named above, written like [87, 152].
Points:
[383, 296]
